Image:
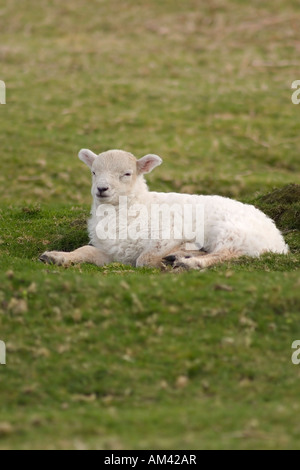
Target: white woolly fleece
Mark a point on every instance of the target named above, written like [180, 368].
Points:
[228, 224]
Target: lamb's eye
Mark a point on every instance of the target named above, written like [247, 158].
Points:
[128, 174]
[94, 174]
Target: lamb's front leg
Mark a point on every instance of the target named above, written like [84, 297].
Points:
[86, 254]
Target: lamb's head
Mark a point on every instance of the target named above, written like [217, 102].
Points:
[117, 173]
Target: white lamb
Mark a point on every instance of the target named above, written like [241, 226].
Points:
[229, 229]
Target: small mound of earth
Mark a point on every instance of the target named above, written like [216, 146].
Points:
[283, 206]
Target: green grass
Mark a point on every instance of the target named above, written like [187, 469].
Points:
[125, 358]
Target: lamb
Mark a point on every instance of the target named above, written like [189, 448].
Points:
[225, 228]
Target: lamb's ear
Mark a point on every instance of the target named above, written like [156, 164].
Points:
[87, 156]
[148, 163]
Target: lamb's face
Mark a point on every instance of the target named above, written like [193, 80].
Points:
[115, 173]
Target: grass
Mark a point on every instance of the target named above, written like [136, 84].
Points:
[125, 358]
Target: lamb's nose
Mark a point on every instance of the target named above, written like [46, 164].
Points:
[102, 190]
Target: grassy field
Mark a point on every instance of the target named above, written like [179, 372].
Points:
[125, 358]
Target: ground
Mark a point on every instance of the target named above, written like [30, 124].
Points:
[124, 358]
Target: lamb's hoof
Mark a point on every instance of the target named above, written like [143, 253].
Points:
[190, 263]
[181, 264]
[169, 260]
[45, 259]
[54, 257]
